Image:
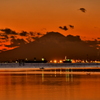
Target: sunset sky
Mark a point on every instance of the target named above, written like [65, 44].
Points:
[48, 15]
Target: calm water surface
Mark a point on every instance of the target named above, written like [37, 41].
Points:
[49, 87]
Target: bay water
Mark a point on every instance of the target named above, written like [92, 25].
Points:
[49, 87]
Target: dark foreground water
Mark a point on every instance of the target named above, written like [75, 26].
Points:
[49, 87]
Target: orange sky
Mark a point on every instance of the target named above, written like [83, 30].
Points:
[48, 15]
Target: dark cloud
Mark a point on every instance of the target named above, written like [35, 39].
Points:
[63, 28]
[8, 35]
[71, 26]
[12, 45]
[8, 31]
[3, 38]
[12, 37]
[39, 34]
[4, 49]
[16, 42]
[83, 9]
[32, 33]
[98, 38]
[23, 33]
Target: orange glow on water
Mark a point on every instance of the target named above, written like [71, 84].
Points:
[47, 87]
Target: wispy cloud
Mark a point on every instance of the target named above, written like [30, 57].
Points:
[16, 42]
[71, 26]
[8, 31]
[83, 10]
[23, 33]
[63, 28]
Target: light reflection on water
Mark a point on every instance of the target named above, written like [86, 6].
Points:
[49, 87]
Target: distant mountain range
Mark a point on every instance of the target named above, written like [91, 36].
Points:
[53, 45]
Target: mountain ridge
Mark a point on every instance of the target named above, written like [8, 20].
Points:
[53, 45]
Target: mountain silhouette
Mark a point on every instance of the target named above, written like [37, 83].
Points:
[52, 45]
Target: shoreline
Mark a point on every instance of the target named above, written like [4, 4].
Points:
[50, 68]
[53, 70]
[55, 73]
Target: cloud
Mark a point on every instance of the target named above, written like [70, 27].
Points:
[39, 34]
[23, 33]
[98, 38]
[12, 37]
[71, 26]
[63, 28]
[8, 31]
[83, 10]
[16, 42]
[32, 33]
[4, 36]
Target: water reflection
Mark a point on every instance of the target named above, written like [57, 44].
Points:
[49, 87]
